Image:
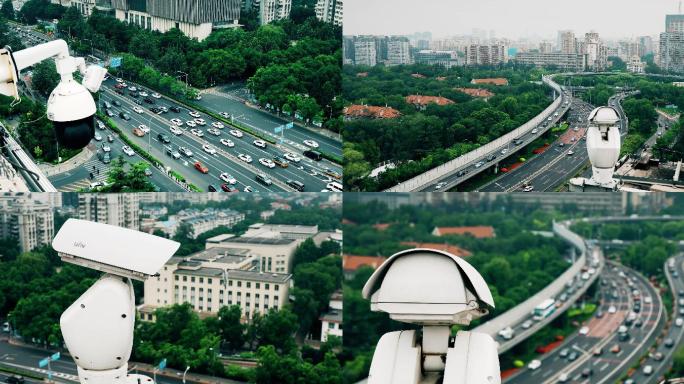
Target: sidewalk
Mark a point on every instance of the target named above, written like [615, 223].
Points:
[76, 161]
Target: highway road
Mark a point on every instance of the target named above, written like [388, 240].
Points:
[233, 98]
[618, 284]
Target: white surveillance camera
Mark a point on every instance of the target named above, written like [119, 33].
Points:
[112, 249]
[70, 107]
[434, 289]
[603, 144]
[98, 326]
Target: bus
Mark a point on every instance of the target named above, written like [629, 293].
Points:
[544, 309]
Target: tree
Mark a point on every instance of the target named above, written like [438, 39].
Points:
[7, 10]
[119, 179]
[276, 328]
[231, 328]
[45, 77]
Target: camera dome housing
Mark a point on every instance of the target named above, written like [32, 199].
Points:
[71, 108]
[428, 287]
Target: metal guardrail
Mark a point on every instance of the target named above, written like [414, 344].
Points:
[34, 177]
[495, 145]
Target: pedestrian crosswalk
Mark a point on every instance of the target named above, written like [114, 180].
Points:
[92, 165]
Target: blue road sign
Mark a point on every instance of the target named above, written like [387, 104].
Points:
[162, 364]
[289, 125]
[43, 363]
[115, 62]
[56, 356]
[278, 129]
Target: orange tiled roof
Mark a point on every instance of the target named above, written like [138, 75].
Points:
[348, 222]
[479, 232]
[381, 226]
[440, 78]
[454, 249]
[352, 262]
[495, 81]
[357, 110]
[362, 74]
[425, 100]
[476, 92]
[417, 76]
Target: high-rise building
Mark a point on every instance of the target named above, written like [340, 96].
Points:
[545, 47]
[671, 57]
[29, 221]
[329, 11]
[195, 18]
[272, 10]
[398, 52]
[121, 209]
[364, 52]
[567, 43]
[493, 54]
[674, 23]
[596, 52]
[446, 59]
[645, 45]
[563, 61]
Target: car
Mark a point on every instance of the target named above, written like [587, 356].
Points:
[681, 311]
[185, 151]
[101, 125]
[132, 88]
[225, 115]
[313, 155]
[528, 188]
[128, 150]
[648, 300]
[534, 364]
[648, 370]
[110, 138]
[156, 95]
[228, 178]
[586, 372]
[564, 353]
[658, 356]
[263, 179]
[175, 130]
[214, 131]
[124, 116]
[177, 122]
[479, 164]
[109, 113]
[200, 167]
[504, 151]
[209, 149]
[573, 356]
[200, 121]
[229, 188]
[561, 144]
[144, 128]
[191, 123]
[175, 108]
[217, 125]
[175, 154]
[197, 132]
[669, 343]
[245, 158]
[248, 188]
[211, 188]
[138, 109]
[570, 153]
[105, 147]
[148, 172]
[679, 322]
[563, 378]
[280, 162]
[116, 103]
[133, 94]
[137, 101]
[163, 138]
[526, 324]
[296, 185]
[334, 186]
[267, 162]
[194, 114]
[97, 136]
[105, 157]
[235, 133]
[599, 314]
[143, 93]
[119, 80]
[615, 348]
[292, 157]
[331, 173]
[148, 100]
[310, 143]
[227, 143]
[15, 379]
[584, 331]
[138, 132]
[259, 143]
[598, 351]
[163, 109]
[534, 131]
[612, 309]
[106, 104]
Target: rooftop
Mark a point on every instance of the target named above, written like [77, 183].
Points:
[206, 272]
[261, 240]
[357, 110]
[220, 238]
[259, 276]
[476, 92]
[334, 316]
[479, 232]
[352, 262]
[425, 100]
[453, 249]
[493, 81]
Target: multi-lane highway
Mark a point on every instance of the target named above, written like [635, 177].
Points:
[597, 353]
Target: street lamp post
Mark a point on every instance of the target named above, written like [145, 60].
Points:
[186, 79]
[184, 373]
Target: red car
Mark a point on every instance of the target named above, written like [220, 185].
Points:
[229, 188]
[201, 168]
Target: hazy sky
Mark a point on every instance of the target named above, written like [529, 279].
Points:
[508, 18]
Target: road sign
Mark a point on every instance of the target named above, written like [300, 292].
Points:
[56, 356]
[289, 125]
[278, 129]
[115, 62]
[43, 363]
[162, 364]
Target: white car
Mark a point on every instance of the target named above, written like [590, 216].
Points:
[292, 157]
[528, 188]
[612, 309]
[334, 186]
[570, 153]
[97, 136]
[228, 178]
[311, 143]
[190, 123]
[175, 130]
[248, 189]
[227, 143]
[143, 94]
[209, 149]
[245, 158]
[200, 121]
[504, 151]
[144, 128]
[479, 164]
[177, 122]
[235, 133]
[260, 143]
[527, 324]
[132, 89]
[106, 147]
[679, 322]
[138, 109]
[267, 162]
[128, 150]
[584, 331]
[214, 131]
[534, 131]
[194, 114]
[217, 124]
[156, 95]
[197, 132]
[534, 364]
[225, 114]
[119, 80]
[96, 185]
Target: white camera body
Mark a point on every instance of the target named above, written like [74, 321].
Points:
[603, 144]
[434, 289]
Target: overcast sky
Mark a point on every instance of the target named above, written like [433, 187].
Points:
[508, 18]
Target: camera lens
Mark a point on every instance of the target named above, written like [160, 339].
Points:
[75, 134]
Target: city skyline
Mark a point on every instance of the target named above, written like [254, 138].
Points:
[443, 18]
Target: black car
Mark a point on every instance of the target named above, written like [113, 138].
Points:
[163, 138]
[154, 109]
[106, 104]
[116, 102]
[133, 94]
[109, 113]
[149, 100]
[314, 155]
[211, 188]
[15, 379]
[124, 116]
[137, 101]
[296, 185]
[175, 109]
[119, 91]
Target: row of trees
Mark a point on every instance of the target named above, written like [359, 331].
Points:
[423, 139]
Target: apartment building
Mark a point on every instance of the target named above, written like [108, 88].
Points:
[563, 61]
[494, 54]
[272, 10]
[364, 52]
[446, 59]
[120, 209]
[330, 11]
[30, 222]
[398, 51]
